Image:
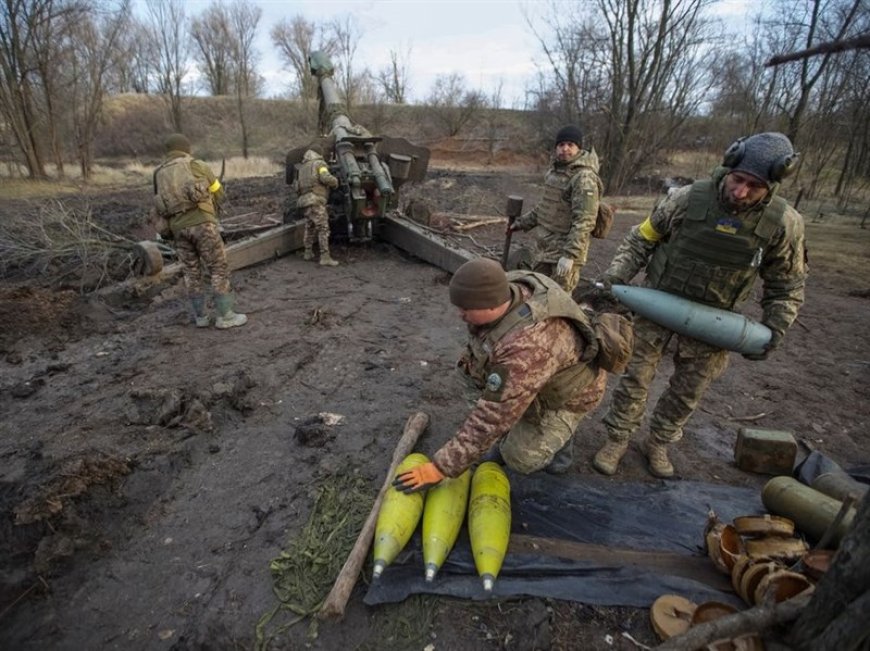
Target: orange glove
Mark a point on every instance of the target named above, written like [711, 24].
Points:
[418, 478]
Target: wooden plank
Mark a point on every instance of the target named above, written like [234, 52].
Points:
[427, 246]
[266, 246]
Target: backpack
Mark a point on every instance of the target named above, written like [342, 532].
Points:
[178, 190]
[603, 220]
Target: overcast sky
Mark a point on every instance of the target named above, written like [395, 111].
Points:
[488, 41]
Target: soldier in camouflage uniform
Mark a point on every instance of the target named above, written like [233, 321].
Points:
[187, 194]
[563, 220]
[707, 242]
[314, 184]
[527, 352]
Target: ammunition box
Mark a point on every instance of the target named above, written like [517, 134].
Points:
[765, 451]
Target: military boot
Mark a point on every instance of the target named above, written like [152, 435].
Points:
[657, 456]
[607, 459]
[226, 317]
[327, 261]
[200, 316]
[562, 460]
[309, 253]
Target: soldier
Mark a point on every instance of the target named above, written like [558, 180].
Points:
[706, 242]
[563, 220]
[187, 194]
[313, 187]
[528, 352]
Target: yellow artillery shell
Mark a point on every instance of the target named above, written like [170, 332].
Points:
[397, 519]
[442, 519]
[489, 520]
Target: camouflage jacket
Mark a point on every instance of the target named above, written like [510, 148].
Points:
[314, 181]
[573, 188]
[527, 358]
[782, 266]
[204, 213]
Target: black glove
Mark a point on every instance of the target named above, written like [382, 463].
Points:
[773, 344]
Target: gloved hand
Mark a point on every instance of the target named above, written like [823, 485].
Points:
[564, 266]
[418, 478]
[773, 344]
[606, 282]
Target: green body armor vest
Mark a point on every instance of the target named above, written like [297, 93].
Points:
[309, 183]
[546, 302]
[714, 257]
[554, 210]
[177, 190]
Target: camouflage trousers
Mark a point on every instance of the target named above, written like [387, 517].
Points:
[316, 227]
[696, 365]
[201, 252]
[534, 441]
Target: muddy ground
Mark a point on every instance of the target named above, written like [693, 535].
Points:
[149, 471]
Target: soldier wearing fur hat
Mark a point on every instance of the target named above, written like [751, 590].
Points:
[708, 242]
[186, 195]
[531, 352]
[563, 221]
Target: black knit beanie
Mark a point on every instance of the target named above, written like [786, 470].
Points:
[479, 284]
[569, 133]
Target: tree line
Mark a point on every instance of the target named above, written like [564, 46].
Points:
[642, 76]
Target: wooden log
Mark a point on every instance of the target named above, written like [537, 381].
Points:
[755, 620]
[336, 601]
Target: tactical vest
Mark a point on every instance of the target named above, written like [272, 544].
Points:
[309, 179]
[547, 301]
[714, 258]
[554, 210]
[177, 190]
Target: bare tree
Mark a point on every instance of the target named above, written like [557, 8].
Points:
[28, 53]
[133, 65]
[645, 61]
[393, 79]
[295, 40]
[92, 44]
[244, 18]
[211, 34]
[804, 24]
[346, 36]
[168, 30]
[452, 104]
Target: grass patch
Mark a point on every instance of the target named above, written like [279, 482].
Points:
[303, 574]
[841, 247]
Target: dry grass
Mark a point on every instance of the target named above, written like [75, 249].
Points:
[844, 247]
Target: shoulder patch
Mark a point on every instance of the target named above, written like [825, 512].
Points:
[495, 383]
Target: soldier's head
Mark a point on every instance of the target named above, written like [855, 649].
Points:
[568, 142]
[176, 142]
[480, 290]
[756, 165]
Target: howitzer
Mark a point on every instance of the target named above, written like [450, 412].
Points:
[370, 169]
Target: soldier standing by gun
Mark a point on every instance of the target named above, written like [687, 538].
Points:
[186, 195]
[313, 186]
[564, 219]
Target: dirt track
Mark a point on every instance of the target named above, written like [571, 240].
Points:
[150, 470]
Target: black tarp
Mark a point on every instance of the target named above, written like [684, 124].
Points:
[667, 516]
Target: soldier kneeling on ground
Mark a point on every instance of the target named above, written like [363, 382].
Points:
[540, 362]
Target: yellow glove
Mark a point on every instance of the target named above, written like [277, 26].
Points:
[418, 478]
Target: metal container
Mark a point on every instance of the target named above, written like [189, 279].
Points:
[839, 485]
[813, 512]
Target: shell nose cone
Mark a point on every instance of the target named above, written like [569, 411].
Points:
[431, 570]
[488, 582]
[378, 569]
